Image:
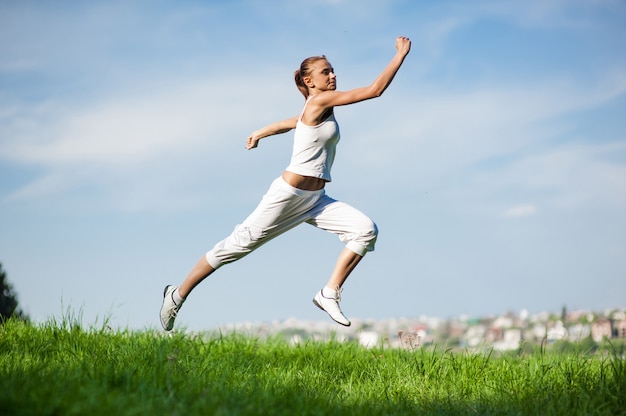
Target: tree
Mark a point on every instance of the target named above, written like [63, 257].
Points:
[8, 299]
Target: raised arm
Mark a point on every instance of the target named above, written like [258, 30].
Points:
[376, 88]
[271, 129]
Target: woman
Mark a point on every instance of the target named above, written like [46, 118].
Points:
[298, 195]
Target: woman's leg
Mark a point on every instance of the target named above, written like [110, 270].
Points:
[346, 262]
[201, 271]
[174, 297]
[281, 208]
[355, 229]
[358, 232]
[329, 297]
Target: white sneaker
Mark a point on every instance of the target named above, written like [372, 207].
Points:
[331, 306]
[169, 309]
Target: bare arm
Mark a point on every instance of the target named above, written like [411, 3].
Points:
[271, 129]
[375, 89]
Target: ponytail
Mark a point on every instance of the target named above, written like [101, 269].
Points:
[300, 84]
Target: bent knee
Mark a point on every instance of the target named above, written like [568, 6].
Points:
[364, 240]
[368, 230]
[373, 229]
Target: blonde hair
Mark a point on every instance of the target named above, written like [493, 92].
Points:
[304, 71]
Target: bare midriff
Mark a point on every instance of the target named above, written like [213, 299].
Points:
[306, 183]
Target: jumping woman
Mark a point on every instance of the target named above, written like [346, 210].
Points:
[298, 195]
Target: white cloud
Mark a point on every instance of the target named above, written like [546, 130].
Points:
[427, 131]
[442, 131]
[576, 14]
[124, 130]
[121, 131]
[139, 145]
[44, 185]
[520, 211]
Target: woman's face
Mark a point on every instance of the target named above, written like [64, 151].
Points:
[322, 76]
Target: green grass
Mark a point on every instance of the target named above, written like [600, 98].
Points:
[62, 369]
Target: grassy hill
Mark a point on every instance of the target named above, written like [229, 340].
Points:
[59, 368]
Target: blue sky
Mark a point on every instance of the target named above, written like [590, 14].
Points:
[494, 165]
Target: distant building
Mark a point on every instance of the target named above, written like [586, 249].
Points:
[601, 329]
[368, 339]
[556, 331]
[578, 332]
[619, 328]
[475, 335]
[510, 341]
[538, 332]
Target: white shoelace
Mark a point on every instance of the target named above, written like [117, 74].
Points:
[338, 293]
[173, 311]
[337, 296]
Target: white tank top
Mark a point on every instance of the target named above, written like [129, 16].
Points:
[314, 148]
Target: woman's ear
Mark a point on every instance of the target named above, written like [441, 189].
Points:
[308, 82]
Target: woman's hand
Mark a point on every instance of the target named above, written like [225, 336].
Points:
[403, 45]
[278, 127]
[252, 142]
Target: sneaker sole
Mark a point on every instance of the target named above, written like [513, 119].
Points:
[164, 294]
[165, 290]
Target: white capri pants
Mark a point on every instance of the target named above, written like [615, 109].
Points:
[282, 208]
